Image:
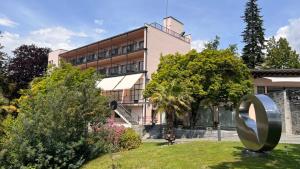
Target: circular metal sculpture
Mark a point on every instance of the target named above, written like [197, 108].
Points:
[258, 123]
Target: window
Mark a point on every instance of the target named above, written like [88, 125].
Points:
[123, 69]
[271, 89]
[117, 95]
[141, 65]
[141, 44]
[114, 70]
[124, 49]
[260, 89]
[136, 91]
[102, 71]
[130, 48]
[114, 51]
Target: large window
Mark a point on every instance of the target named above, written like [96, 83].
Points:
[260, 89]
[141, 44]
[136, 91]
[271, 89]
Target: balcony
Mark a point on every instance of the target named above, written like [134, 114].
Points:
[124, 69]
[108, 53]
[170, 32]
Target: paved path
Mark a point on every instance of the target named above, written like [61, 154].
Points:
[290, 139]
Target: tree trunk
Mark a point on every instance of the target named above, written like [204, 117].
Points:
[170, 135]
[194, 111]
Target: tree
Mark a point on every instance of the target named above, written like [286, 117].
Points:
[213, 76]
[280, 55]
[214, 44]
[29, 62]
[51, 130]
[3, 62]
[170, 99]
[253, 35]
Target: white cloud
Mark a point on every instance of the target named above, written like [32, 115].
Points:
[7, 22]
[198, 45]
[99, 30]
[291, 32]
[53, 37]
[98, 21]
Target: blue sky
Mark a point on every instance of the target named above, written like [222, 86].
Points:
[71, 23]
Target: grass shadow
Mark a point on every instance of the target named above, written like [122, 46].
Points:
[285, 156]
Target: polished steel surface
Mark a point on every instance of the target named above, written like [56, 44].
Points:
[263, 132]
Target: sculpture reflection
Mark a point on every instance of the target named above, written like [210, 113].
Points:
[258, 123]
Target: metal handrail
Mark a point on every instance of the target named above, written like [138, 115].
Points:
[125, 110]
[170, 32]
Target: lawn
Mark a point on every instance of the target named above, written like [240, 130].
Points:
[201, 154]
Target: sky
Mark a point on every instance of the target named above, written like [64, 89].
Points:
[67, 24]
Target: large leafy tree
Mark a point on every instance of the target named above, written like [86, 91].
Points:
[29, 61]
[253, 35]
[280, 55]
[51, 130]
[212, 76]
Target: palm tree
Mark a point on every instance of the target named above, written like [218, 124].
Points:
[171, 99]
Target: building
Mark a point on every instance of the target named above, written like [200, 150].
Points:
[273, 80]
[283, 86]
[53, 57]
[127, 60]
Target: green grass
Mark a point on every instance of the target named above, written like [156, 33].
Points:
[202, 154]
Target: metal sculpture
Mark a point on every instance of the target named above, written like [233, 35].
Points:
[258, 123]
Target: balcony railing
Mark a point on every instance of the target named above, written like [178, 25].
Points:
[123, 69]
[108, 53]
[170, 32]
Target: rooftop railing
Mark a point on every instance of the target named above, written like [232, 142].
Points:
[170, 32]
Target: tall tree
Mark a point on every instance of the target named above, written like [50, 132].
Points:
[253, 35]
[3, 61]
[29, 62]
[280, 55]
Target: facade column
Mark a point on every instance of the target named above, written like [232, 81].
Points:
[145, 74]
[287, 114]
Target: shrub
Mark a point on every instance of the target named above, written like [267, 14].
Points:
[110, 134]
[51, 130]
[130, 140]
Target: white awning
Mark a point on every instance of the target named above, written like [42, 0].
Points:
[109, 83]
[128, 81]
[284, 79]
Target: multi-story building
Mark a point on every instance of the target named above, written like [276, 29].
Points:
[127, 60]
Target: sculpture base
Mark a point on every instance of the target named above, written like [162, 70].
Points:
[250, 153]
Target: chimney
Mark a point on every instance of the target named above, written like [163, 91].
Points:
[173, 24]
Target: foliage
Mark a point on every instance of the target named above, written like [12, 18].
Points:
[169, 98]
[280, 55]
[130, 140]
[111, 134]
[217, 76]
[51, 130]
[29, 62]
[213, 45]
[253, 35]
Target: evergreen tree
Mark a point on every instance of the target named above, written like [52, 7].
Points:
[280, 55]
[3, 62]
[253, 35]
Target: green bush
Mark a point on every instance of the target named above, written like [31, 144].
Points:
[130, 140]
[51, 130]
